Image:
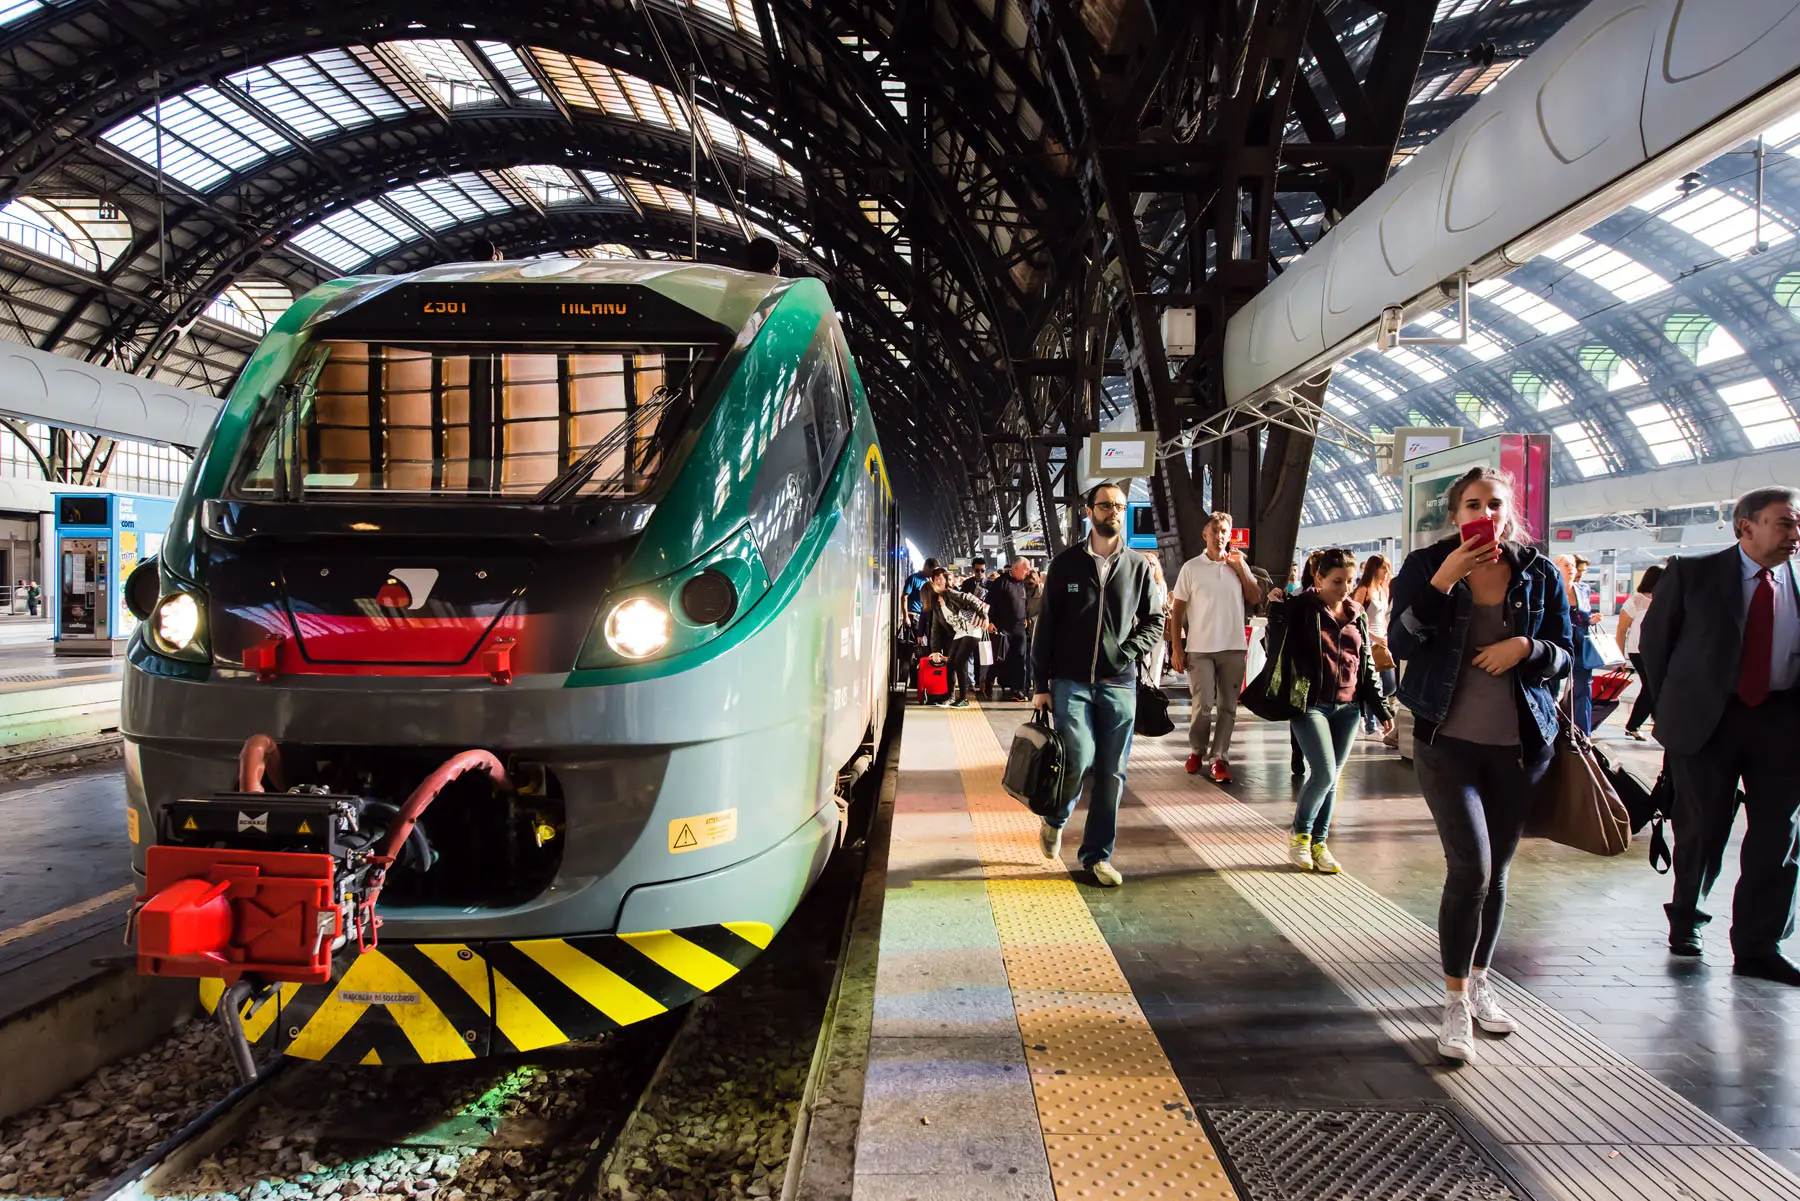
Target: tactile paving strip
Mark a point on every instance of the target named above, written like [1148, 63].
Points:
[1116, 1120]
[1356, 1155]
[1590, 1122]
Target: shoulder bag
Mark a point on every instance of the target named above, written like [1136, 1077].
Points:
[1273, 694]
[1577, 804]
[1034, 766]
[1152, 709]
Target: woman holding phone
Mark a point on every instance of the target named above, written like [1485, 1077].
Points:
[1481, 620]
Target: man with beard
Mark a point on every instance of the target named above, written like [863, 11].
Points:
[1100, 616]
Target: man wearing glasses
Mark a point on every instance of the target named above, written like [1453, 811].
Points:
[1099, 618]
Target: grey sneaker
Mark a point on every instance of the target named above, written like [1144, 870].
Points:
[1050, 839]
[1456, 1037]
[1106, 875]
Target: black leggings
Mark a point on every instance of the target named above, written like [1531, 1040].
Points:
[1640, 708]
[1479, 797]
[963, 654]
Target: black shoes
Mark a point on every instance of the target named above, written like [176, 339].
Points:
[1684, 942]
[1772, 966]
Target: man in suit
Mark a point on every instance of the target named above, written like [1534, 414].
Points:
[1721, 650]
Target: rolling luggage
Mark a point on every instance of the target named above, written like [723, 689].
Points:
[934, 680]
[1034, 766]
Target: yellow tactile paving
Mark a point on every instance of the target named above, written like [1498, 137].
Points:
[1116, 1120]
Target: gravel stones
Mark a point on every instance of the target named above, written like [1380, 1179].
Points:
[68, 1146]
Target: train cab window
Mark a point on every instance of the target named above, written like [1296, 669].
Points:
[489, 421]
[809, 425]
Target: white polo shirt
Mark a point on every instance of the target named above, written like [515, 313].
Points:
[1214, 595]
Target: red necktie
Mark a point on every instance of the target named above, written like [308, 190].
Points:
[1759, 642]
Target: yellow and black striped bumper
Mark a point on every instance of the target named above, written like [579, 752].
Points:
[437, 1002]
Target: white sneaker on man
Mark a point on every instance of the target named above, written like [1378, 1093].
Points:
[1300, 851]
[1484, 1003]
[1106, 875]
[1456, 1037]
[1050, 839]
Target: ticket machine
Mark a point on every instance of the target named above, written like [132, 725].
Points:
[100, 539]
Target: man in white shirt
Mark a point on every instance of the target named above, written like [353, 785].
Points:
[1212, 595]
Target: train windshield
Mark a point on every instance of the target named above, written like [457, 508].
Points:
[521, 423]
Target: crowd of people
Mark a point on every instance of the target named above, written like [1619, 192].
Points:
[1499, 644]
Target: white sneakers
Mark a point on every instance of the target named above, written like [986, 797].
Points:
[1323, 861]
[1484, 1002]
[1300, 851]
[1480, 1006]
[1050, 839]
[1106, 875]
[1456, 1037]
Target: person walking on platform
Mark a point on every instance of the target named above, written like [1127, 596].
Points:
[1213, 592]
[1721, 652]
[1482, 623]
[1327, 646]
[1630, 634]
[958, 623]
[1007, 612]
[1099, 618]
[1153, 661]
[1581, 679]
[1374, 593]
[976, 583]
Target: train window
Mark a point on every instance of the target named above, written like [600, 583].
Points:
[809, 427]
[502, 422]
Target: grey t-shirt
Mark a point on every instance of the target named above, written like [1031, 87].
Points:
[1483, 708]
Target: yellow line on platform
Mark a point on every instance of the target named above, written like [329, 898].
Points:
[69, 913]
[1116, 1120]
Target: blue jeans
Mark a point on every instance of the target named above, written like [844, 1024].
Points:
[1581, 699]
[1325, 734]
[1094, 721]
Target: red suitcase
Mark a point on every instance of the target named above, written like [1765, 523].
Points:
[934, 679]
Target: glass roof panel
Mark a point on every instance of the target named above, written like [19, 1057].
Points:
[351, 237]
[29, 223]
[1483, 344]
[1483, 414]
[204, 138]
[1418, 364]
[18, 10]
[444, 68]
[1542, 394]
[317, 95]
[450, 200]
[1664, 437]
[551, 185]
[1387, 489]
[1725, 223]
[604, 185]
[1760, 410]
[1613, 270]
[1535, 311]
[1579, 441]
[1364, 380]
[733, 12]
[513, 70]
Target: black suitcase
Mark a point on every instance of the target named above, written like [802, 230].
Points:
[1034, 767]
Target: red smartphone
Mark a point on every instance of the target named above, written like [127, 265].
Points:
[1482, 528]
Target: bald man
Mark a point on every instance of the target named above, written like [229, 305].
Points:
[1006, 598]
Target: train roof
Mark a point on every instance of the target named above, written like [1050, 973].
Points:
[720, 294]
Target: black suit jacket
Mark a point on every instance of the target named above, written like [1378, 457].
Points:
[1692, 645]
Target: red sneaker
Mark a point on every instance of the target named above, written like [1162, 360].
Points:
[1220, 773]
[1193, 764]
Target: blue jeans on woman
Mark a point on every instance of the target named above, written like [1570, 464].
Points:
[1094, 722]
[1325, 733]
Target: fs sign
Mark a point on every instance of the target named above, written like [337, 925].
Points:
[1119, 456]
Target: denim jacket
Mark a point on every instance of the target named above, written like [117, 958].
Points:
[1429, 631]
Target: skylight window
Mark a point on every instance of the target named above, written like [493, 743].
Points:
[1338, 401]
[658, 196]
[1617, 272]
[513, 70]
[352, 237]
[1483, 414]
[1579, 441]
[1386, 490]
[1470, 81]
[40, 228]
[1760, 410]
[317, 95]
[1483, 345]
[549, 185]
[1540, 314]
[1362, 379]
[1667, 443]
[205, 137]
[1416, 363]
[1726, 224]
[604, 185]
[1701, 338]
[443, 67]
[732, 12]
[251, 306]
[19, 10]
[1537, 392]
[1610, 367]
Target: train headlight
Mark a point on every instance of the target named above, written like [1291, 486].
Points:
[638, 628]
[176, 622]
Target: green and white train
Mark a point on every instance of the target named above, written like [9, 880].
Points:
[611, 547]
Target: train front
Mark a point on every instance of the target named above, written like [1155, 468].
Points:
[465, 715]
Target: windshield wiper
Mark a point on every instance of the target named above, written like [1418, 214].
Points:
[575, 476]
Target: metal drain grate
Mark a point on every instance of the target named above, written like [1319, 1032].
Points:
[1356, 1155]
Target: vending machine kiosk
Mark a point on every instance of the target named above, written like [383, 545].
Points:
[101, 537]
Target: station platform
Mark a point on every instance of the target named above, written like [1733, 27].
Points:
[1225, 1025]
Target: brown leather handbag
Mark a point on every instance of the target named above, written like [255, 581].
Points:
[1379, 654]
[1576, 804]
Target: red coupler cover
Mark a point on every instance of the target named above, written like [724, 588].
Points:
[225, 913]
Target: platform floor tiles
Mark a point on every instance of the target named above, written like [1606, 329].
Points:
[1036, 1036]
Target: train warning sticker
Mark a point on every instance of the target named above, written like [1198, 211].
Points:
[131, 824]
[698, 833]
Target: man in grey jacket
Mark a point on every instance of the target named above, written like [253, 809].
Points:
[1100, 617]
[1721, 653]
